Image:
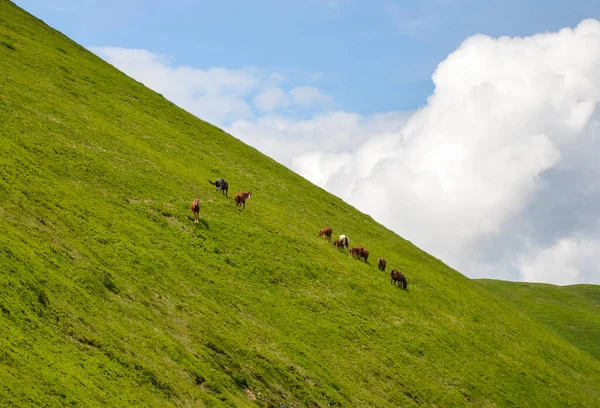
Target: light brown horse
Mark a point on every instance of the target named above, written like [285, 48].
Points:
[398, 277]
[195, 207]
[327, 232]
[381, 263]
[352, 253]
[240, 198]
[338, 244]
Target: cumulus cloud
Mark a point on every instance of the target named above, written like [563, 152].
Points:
[570, 260]
[285, 139]
[271, 99]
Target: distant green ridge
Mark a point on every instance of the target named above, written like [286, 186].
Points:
[572, 312]
[111, 296]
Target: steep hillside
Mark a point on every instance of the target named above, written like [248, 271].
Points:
[111, 296]
[573, 312]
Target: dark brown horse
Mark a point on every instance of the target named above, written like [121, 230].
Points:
[363, 254]
[398, 277]
[338, 244]
[359, 252]
[327, 232]
[240, 198]
[195, 207]
[381, 263]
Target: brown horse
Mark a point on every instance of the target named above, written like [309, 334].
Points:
[398, 277]
[338, 244]
[195, 207]
[240, 198]
[358, 252]
[363, 253]
[355, 252]
[381, 263]
[327, 232]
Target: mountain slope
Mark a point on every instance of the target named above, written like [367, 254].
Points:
[111, 295]
[573, 312]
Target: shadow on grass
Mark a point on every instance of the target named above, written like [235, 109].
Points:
[200, 221]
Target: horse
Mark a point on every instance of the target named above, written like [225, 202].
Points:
[195, 208]
[381, 263]
[353, 252]
[240, 198]
[327, 232]
[338, 244]
[398, 277]
[345, 241]
[358, 252]
[363, 253]
[221, 184]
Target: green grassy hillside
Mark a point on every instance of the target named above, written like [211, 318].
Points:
[572, 312]
[111, 296]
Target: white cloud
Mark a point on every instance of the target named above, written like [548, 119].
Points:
[284, 139]
[216, 95]
[276, 78]
[570, 260]
[271, 99]
[309, 96]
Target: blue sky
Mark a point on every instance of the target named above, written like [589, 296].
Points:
[374, 55]
[468, 127]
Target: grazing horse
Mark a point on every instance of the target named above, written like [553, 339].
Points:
[195, 207]
[352, 253]
[363, 253]
[398, 277]
[381, 263]
[345, 241]
[221, 184]
[240, 198]
[327, 232]
[358, 252]
[338, 244]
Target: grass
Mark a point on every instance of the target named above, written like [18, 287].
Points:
[572, 312]
[111, 295]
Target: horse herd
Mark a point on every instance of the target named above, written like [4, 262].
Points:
[358, 252]
[223, 186]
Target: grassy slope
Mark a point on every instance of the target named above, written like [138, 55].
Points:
[573, 312]
[117, 298]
